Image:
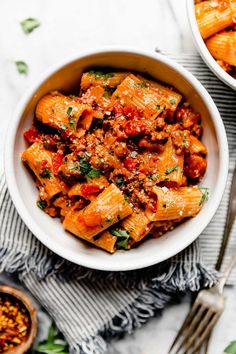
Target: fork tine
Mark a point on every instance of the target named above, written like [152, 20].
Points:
[213, 318]
[193, 335]
[186, 322]
[190, 329]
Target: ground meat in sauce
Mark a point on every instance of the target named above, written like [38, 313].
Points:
[126, 149]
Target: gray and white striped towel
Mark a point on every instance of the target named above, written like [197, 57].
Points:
[90, 307]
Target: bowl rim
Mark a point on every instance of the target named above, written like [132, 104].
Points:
[84, 260]
[202, 48]
[26, 301]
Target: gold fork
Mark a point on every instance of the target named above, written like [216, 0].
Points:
[209, 304]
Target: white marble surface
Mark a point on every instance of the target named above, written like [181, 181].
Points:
[68, 27]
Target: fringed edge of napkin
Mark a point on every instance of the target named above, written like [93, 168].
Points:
[154, 297]
[161, 283]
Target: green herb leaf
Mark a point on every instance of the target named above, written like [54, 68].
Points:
[54, 343]
[106, 95]
[29, 24]
[123, 238]
[171, 169]
[46, 173]
[158, 107]
[154, 176]
[205, 195]
[69, 110]
[133, 154]
[63, 126]
[52, 332]
[185, 143]
[231, 349]
[72, 122]
[120, 182]
[50, 348]
[22, 67]
[123, 244]
[93, 173]
[141, 85]
[41, 204]
[173, 101]
[85, 166]
[100, 74]
[120, 233]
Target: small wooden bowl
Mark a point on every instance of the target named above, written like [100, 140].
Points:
[25, 300]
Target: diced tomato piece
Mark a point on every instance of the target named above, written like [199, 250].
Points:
[31, 135]
[91, 219]
[44, 163]
[136, 128]
[56, 162]
[132, 113]
[195, 166]
[131, 163]
[88, 189]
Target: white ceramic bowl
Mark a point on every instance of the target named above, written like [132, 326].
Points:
[66, 76]
[203, 51]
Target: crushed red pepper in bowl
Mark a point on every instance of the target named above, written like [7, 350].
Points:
[14, 323]
[18, 322]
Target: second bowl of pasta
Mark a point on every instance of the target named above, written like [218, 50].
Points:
[213, 29]
[117, 152]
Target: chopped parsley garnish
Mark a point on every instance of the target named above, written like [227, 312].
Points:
[108, 220]
[123, 238]
[41, 204]
[141, 85]
[22, 67]
[29, 24]
[86, 169]
[173, 101]
[154, 176]
[117, 97]
[164, 205]
[133, 154]
[171, 169]
[111, 152]
[158, 107]
[126, 197]
[106, 95]
[46, 173]
[85, 166]
[205, 195]
[72, 122]
[100, 74]
[185, 143]
[93, 173]
[62, 126]
[120, 182]
[69, 110]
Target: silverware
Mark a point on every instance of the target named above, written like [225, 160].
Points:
[209, 304]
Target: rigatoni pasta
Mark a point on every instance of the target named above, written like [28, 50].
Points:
[216, 21]
[120, 161]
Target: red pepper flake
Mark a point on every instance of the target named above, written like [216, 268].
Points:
[14, 323]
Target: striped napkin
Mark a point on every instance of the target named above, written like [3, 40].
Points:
[91, 307]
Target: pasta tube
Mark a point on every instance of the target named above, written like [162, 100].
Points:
[137, 225]
[222, 46]
[214, 16]
[40, 162]
[107, 209]
[64, 113]
[94, 78]
[176, 203]
[141, 94]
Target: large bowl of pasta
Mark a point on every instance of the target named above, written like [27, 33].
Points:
[116, 159]
[213, 29]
